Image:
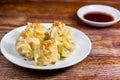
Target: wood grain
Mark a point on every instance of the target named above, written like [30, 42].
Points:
[103, 63]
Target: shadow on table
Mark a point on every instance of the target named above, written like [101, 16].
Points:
[39, 73]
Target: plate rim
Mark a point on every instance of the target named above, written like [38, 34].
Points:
[39, 67]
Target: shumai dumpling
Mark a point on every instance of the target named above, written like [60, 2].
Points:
[63, 38]
[33, 34]
[48, 53]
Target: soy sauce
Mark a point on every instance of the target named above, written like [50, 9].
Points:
[98, 17]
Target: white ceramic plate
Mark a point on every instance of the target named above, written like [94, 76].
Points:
[83, 47]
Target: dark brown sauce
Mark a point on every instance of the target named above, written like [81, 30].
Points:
[98, 17]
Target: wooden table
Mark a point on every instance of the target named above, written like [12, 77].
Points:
[103, 63]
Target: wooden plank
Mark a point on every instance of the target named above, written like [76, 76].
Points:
[90, 68]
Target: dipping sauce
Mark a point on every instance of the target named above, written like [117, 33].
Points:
[98, 17]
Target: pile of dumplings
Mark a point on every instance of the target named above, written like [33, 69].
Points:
[45, 46]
